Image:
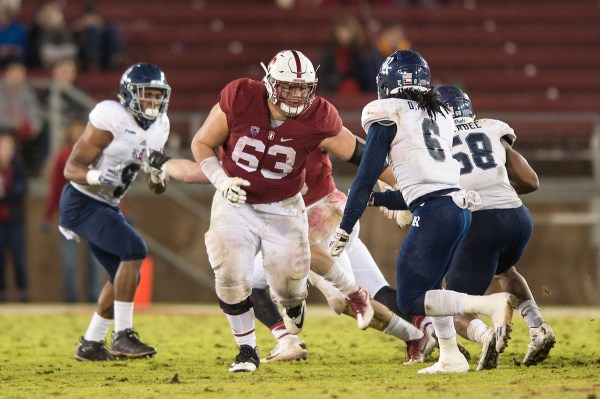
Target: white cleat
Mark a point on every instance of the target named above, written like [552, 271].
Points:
[455, 363]
[542, 339]
[489, 356]
[294, 324]
[289, 347]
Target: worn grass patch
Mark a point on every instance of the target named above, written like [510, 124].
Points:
[195, 349]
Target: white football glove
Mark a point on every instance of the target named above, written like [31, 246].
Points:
[403, 218]
[338, 242]
[106, 177]
[231, 189]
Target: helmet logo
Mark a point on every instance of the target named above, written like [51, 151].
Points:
[407, 78]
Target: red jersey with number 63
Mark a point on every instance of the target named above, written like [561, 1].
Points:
[272, 159]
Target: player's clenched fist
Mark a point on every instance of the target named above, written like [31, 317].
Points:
[338, 242]
[231, 189]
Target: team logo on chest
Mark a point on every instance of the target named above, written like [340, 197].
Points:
[254, 130]
[271, 135]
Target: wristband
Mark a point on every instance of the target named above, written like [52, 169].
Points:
[93, 177]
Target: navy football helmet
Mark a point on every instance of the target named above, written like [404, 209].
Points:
[132, 90]
[459, 103]
[405, 69]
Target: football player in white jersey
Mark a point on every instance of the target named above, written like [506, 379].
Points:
[500, 229]
[104, 162]
[414, 129]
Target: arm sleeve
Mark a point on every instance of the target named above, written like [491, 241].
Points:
[379, 138]
[391, 199]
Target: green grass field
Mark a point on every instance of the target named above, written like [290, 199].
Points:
[195, 348]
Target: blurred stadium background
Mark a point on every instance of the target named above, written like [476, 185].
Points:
[533, 64]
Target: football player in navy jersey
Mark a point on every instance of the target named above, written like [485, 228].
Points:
[264, 132]
[501, 225]
[103, 164]
[410, 126]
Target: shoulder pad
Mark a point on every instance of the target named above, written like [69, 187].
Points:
[383, 111]
[498, 129]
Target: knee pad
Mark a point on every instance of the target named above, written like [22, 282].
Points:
[237, 308]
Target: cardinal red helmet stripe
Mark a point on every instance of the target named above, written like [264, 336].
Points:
[297, 58]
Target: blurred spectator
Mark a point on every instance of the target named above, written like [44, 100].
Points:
[341, 67]
[13, 37]
[19, 110]
[389, 40]
[69, 249]
[100, 43]
[64, 103]
[13, 187]
[50, 39]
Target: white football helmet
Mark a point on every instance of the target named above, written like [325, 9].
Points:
[291, 81]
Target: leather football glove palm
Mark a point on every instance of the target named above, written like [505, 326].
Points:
[231, 189]
[338, 242]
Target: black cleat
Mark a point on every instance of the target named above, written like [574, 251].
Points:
[127, 344]
[92, 351]
[247, 360]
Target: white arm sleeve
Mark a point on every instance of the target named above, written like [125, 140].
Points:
[213, 170]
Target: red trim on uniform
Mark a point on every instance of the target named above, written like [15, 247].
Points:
[244, 334]
[298, 66]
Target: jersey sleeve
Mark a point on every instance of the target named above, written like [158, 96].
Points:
[227, 96]
[376, 149]
[106, 115]
[322, 117]
[383, 112]
[499, 129]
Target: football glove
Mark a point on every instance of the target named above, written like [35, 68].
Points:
[338, 242]
[156, 162]
[403, 218]
[231, 189]
[107, 177]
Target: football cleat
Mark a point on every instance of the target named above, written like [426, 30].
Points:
[126, 343]
[293, 318]
[417, 350]
[360, 304]
[488, 359]
[542, 339]
[246, 361]
[448, 363]
[92, 351]
[289, 347]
